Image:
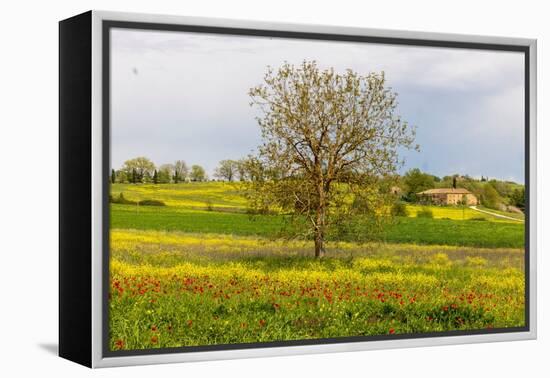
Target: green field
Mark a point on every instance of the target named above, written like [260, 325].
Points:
[460, 213]
[200, 271]
[518, 216]
[403, 230]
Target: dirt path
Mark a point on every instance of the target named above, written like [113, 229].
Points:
[495, 214]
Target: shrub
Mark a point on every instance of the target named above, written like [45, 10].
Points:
[121, 200]
[399, 209]
[425, 213]
[261, 211]
[476, 262]
[150, 202]
[441, 259]
[209, 206]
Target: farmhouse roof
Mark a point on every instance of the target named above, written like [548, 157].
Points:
[446, 191]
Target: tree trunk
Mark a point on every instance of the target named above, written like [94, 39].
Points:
[320, 221]
[319, 244]
[320, 230]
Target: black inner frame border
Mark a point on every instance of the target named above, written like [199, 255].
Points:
[107, 25]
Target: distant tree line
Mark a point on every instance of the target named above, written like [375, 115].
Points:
[143, 170]
[492, 193]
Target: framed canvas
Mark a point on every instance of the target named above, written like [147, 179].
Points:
[234, 189]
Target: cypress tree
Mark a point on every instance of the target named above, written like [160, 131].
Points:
[113, 176]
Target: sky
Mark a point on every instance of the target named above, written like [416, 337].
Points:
[184, 96]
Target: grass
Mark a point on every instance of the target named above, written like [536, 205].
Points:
[200, 271]
[405, 229]
[517, 216]
[171, 289]
[458, 213]
[459, 233]
[192, 195]
[189, 220]
[448, 212]
[222, 196]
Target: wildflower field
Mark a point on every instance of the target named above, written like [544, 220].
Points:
[200, 271]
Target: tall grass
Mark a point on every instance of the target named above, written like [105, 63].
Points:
[177, 289]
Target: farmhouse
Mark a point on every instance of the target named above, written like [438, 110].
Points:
[448, 196]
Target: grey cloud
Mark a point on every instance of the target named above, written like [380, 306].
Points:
[190, 100]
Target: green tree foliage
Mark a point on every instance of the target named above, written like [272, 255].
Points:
[197, 174]
[250, 169]
[122, 177]
[416, 181]
[425, 212]
[134, 176]
[502, 188]
[155, 177]
[327, 137]
[517, 198]
[227, 170]
[490, 197]
[399, 209]
[242, 170]
[165, 173]
[147, 178]
[113, 176]
[139, 168]
[181, 171]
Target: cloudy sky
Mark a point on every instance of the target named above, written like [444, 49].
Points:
[178, 95]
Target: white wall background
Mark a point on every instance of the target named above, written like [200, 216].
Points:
[28, 189]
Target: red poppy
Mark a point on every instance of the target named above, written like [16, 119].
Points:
[154, 339]
[119, 344]
[154, 328]
[262, 322]
[392, 331]
[189, 323]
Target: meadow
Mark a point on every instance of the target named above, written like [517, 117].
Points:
[200, 271]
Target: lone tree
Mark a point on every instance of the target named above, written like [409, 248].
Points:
[227, 170]
[329, 139]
